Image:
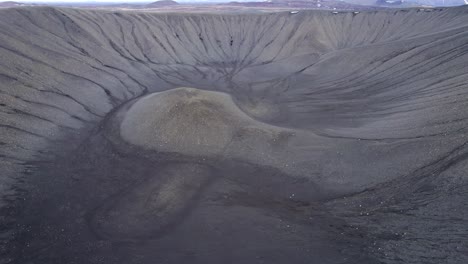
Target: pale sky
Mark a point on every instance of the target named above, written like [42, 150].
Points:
[120, 1]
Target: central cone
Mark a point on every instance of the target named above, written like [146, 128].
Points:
[185, 120]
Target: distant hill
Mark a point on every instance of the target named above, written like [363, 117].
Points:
[408, 3]
[314, 4]
[10, 4]
[162, 3]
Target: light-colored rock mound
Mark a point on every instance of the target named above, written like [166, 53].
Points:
[197, 122]
[183, 120]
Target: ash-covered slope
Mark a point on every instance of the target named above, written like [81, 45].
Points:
[340, 138]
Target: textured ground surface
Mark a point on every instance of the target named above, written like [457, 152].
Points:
[306, 138]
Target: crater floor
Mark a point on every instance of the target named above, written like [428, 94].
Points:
[139, 137]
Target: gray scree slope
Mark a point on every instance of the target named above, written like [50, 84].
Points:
[264, 138]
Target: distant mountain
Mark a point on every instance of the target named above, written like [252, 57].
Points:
[313, 4]
[10, 4]
[389, 2]
[162, 3]
[409, 3]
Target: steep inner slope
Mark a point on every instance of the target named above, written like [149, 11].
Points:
[348, 129]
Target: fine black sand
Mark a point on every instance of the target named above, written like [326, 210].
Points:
[139, 137]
